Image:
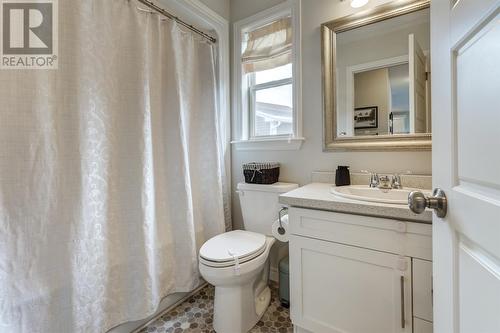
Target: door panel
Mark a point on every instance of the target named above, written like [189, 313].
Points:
[479, 290]
[475, 198]
[477, 106]
[465, 41]
[465, 15]
[477, 114]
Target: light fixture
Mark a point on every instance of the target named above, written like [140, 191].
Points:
[358, 3]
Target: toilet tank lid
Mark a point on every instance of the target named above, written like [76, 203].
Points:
[276, 187]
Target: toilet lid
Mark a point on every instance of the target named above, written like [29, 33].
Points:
[234, 244]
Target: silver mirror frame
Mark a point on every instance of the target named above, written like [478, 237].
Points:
[329, 31]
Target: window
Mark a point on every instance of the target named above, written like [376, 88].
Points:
[267, 77]
[271, 102]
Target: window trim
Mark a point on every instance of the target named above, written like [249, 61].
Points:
[242, 123]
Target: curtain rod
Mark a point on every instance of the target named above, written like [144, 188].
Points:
[163, 12]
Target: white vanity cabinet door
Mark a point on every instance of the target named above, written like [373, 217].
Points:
[422, 326]
[347, 289]
[422, 289]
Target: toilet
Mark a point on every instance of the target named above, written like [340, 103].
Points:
[236, 263]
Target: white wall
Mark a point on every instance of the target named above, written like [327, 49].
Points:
[221, 7]
[298, 165]
[241, 9]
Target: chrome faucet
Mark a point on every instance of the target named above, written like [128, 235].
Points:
[373, 180]
[396, 182]
[384, 182]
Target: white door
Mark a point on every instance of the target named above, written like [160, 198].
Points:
[465, 44]
[417, 59]
[338, 288]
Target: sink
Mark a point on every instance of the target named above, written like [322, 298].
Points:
[366, 193]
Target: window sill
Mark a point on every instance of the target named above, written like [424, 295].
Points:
[268, 144]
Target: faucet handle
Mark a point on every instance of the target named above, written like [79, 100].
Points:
[396, 182]
[374, 180]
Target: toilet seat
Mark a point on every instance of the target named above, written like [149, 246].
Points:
[227, 249]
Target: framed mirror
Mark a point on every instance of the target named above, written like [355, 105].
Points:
[377, 80]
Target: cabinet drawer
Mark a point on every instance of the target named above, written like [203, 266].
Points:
[422, 326]
[398, 237]
[422, 289]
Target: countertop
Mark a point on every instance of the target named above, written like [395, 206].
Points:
[318, 196]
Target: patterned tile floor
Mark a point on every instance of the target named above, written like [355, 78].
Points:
[196, 313]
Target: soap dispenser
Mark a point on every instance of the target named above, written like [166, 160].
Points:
[342, 176]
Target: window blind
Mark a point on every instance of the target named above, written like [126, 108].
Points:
[268, 47]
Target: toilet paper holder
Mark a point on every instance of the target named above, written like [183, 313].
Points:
[281, 230]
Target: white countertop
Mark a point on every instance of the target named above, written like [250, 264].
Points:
[318, 196]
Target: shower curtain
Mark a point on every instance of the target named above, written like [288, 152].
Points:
[110, 171]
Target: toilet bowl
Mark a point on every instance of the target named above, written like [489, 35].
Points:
[236, 263]
[241, 287]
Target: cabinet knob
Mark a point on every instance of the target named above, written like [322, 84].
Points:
[402, 264]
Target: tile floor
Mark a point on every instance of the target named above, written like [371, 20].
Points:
[196, 313]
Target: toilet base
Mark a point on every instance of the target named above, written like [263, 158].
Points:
[241, 295]
[237, 310]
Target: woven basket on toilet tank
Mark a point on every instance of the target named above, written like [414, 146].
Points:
[261, 173]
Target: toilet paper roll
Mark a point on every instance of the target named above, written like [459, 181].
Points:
[282, 237]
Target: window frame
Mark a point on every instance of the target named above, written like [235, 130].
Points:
[243, 91]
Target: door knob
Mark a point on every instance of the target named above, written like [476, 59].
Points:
[417, 202]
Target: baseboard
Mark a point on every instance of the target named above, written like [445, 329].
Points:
[297, 329]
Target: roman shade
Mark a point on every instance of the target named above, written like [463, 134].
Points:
[268, 47]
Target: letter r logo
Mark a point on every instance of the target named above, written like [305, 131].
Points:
[27, 27]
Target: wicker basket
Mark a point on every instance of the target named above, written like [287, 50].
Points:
[261, 173]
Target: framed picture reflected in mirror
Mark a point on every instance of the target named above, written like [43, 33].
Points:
[366, 117]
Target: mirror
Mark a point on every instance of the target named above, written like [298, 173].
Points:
[376, 79]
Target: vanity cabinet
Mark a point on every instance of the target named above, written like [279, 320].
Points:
[359, 274]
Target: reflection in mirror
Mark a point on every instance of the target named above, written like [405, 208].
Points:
[383, 79]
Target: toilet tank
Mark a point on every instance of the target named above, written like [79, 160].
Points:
[260, 205]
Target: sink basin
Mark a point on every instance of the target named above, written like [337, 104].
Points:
[366, 193]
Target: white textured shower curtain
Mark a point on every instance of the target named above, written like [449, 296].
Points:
[110, 172]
